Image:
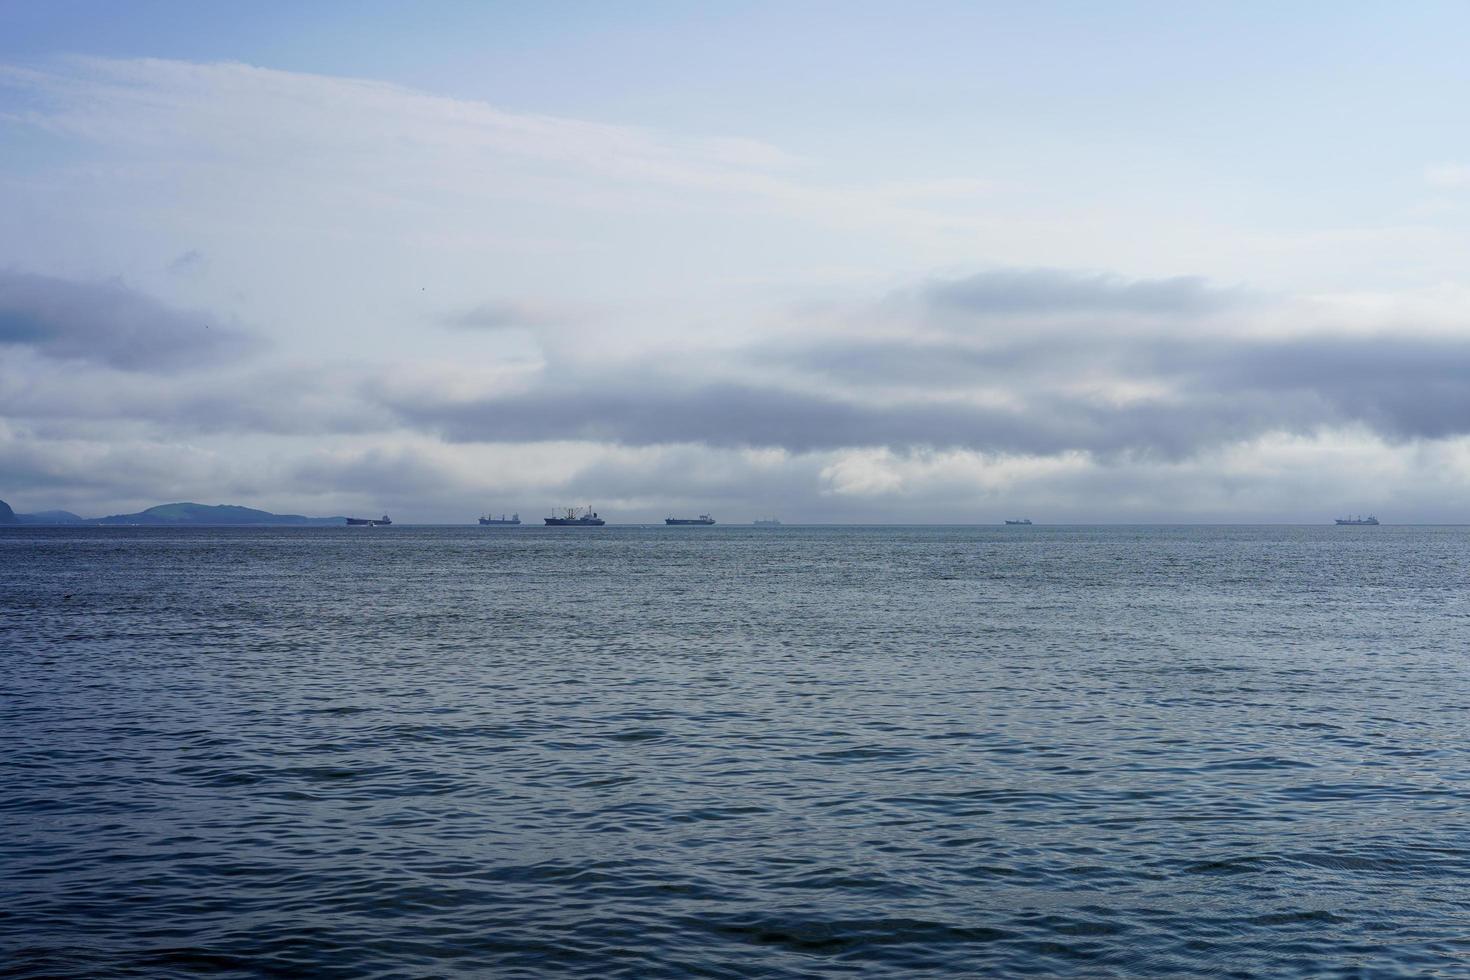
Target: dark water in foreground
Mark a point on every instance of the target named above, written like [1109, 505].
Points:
[735, 752]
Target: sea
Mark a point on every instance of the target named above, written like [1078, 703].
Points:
[735, 752]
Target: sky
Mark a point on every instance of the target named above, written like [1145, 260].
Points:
[832, 262]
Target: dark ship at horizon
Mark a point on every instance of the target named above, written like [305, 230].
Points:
[573, 518]
[702, 519]
[383, 521]
[1024, 520]
[1369, 521]
[489, 520]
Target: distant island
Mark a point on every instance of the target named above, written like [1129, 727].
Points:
[171, 515]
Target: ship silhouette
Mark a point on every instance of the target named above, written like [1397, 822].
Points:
[575, 518]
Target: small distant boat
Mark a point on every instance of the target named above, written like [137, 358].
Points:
[575, 518]
[491, 521]
[767, 522]
[1024, 520]
[1369, 521]
[369, 521]
[685, 521]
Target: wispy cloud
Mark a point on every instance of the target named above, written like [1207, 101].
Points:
[372, 142]
[1450, 176]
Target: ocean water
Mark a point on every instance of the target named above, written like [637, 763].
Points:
[735, 752]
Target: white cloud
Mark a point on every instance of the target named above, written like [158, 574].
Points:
[1450, 176]
[371, 144]
[620, 339]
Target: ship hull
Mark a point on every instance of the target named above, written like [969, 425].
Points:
[485, 523]
[574, 522]
[680, 522]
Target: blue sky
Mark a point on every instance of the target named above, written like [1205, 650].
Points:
[489, 255]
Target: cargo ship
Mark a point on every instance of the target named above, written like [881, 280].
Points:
[1024, 520]
[1369, 521]
[369, 521]
[490, 520]
[586, 518]
[685, 521]
[767, 522]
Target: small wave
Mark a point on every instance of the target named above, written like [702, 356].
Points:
[842, 936]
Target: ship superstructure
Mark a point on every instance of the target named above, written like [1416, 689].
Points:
[576, 518]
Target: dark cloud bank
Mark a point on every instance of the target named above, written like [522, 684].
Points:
[1060, 385]
[1005, 388]
[108, 323]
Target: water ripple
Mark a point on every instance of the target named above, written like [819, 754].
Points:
[1124, 752]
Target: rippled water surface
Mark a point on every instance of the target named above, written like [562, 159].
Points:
[735, 752]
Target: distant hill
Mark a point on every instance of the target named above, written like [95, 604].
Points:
[184, 513]
[166, 515]
[8, 516]
[51, 517]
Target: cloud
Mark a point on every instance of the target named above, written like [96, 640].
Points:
[641, 409]
[1155, 382]
[645, 410]
[107, 323]
[223, 399]
[1451, 176]
[1027, 292]
[1033, 378]
[248, 113]
[187, 263]
[357, 143]
[505, 315]
[1408, 385]
[1142, 390]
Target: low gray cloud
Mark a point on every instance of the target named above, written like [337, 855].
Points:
[928, 364]
[1401, 387]
[108, 323]
[1016, 393]
[269, 400]
[1213, 391]
[395, 474]
[1361, 374]
[642, 410]
[1021, 292]
[1146, 393]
